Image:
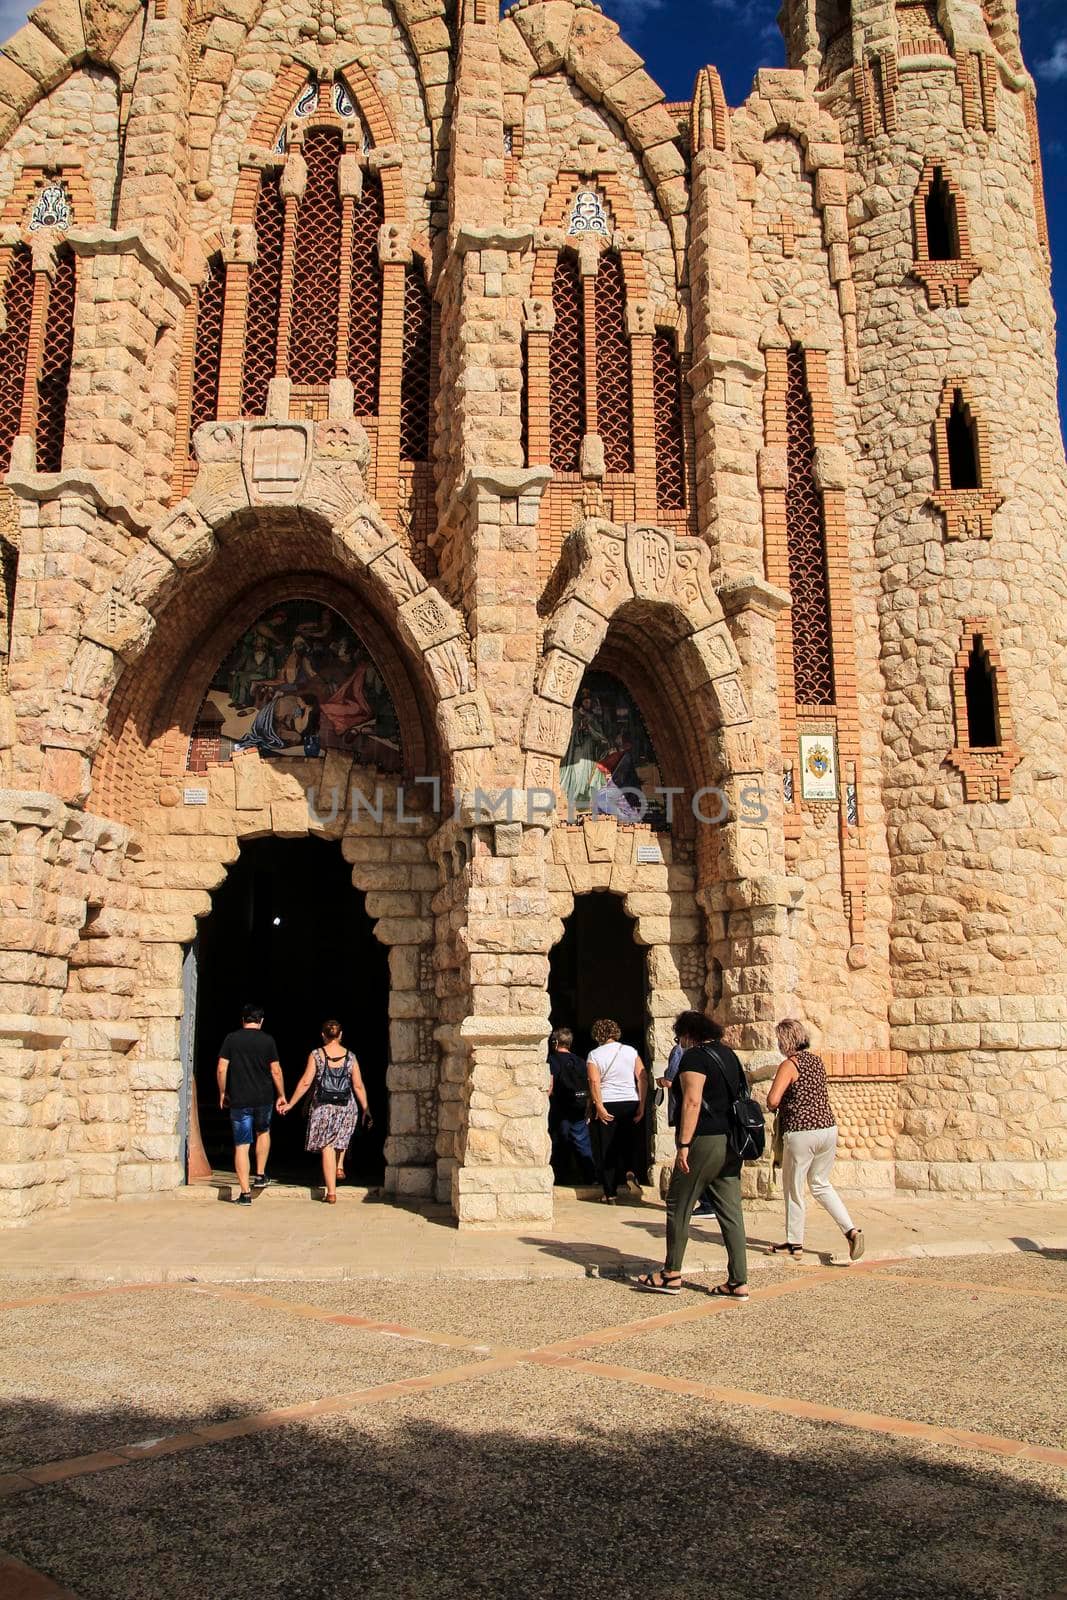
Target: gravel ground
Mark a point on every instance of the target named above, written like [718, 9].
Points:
[1028, 1269]
[555, 1484]
[954, 1357]
[542, 1480]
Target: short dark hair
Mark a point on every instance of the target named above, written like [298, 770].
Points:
[252, 1014]
[331, 1029]
[695, 1025]
[560, 1039]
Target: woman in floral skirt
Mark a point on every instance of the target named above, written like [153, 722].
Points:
[337, 1102]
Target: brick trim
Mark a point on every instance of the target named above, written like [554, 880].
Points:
[947, 283]
[986, 770]
[968, 513]
[1038, 177]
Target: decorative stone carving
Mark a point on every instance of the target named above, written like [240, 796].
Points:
[649, 560]
[185, 537]
[466, 722]
[394, 243]
[275, 460]
[539, 315]
[730, 700]
[429, 620]
[716, 650]
[217, 441]
[577, 629]
[366, 535]
[121, 625]
[343, 439]
[401, 578]
[560, 677]
[450, 667]
[547, 729]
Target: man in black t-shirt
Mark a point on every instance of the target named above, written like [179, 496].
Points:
[251, 1086]
[568, 1104]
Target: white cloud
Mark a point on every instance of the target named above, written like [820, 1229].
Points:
[1054, 67]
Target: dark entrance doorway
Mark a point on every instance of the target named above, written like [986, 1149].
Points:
[598, 970]
[287, 931]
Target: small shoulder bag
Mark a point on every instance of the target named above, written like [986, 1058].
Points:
[747, 1135]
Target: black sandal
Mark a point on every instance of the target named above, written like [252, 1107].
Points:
[786, 1249]
[730, 1291]
[647, 1281]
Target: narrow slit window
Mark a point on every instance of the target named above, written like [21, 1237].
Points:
[942, 221]
[566, 368]
[317, 263]
[962, 446]
[980, 687]
[14, 346]
[54, 383]
[264, 288]
[206, 362]
[415, 379]
[614, 383]
[809, 583]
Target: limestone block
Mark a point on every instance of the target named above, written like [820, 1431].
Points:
[121, 625]
[577, 629]
[547, 728]
[185, 537]
[466, 722]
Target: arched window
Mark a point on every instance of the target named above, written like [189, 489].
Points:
[415, 377]
[961, 443]
[985, 752]
[209, 300]
[806, 540]
[566, 367]
[614, 386]
[14, 346]
[670, 423]
[317, 263]
[264, 288]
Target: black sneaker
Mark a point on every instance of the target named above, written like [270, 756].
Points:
[260, 1181]
[703, 1211]
[244, 1199]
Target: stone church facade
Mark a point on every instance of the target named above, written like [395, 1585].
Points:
[448, 325]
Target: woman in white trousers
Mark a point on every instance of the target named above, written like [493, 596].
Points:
[809, 1140]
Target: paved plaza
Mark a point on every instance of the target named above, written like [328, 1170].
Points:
[414, 1411]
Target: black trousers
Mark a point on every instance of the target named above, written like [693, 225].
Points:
[613, 1143]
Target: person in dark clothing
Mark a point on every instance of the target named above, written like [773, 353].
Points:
[711, 1078]
[251, 1086]
[568, 1105]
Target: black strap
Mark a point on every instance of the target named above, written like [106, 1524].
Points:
[735, 1094]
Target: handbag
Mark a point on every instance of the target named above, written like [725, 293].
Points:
[747, 1128]
[334, 1087]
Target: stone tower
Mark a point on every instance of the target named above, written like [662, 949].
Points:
[948, 247]
[609, 546]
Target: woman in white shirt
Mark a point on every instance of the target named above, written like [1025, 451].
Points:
[618, 1084]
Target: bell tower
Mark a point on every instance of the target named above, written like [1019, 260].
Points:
[957, 420]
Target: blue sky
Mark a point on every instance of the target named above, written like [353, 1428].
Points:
[676, 37]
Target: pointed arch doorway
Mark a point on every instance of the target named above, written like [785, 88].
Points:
[288, 931]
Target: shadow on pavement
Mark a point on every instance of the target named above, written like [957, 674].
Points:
[1031, 1247]
[599, 1490]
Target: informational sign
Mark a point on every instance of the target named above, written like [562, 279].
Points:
[649, 855]
[818, 766]
[194, 797]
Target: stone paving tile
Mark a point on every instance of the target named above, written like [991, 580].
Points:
[552, 1483]
[98, 1372]
[954, 1357]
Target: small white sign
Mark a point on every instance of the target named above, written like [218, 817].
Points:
[649, 855]
[194, 797]
[818, 766]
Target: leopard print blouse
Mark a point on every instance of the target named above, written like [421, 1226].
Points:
[806, 1103]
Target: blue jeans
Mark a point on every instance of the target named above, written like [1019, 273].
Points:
[245, 1119]
[575, 1131]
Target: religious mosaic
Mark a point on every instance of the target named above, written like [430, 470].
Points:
[298, 681]
[610, 764]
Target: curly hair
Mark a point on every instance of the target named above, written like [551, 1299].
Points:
[605, 1030]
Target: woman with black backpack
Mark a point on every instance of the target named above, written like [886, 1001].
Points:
[711, 1141]
[337, 1103]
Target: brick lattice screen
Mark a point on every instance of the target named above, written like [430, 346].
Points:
[415, 377]
[566, 372]
[209, 303]
[264, 283]
[366, 323]
[614, 391]
[14, 343]
[806, 538]
[670, 432]
[317, 263]
[54, 381]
